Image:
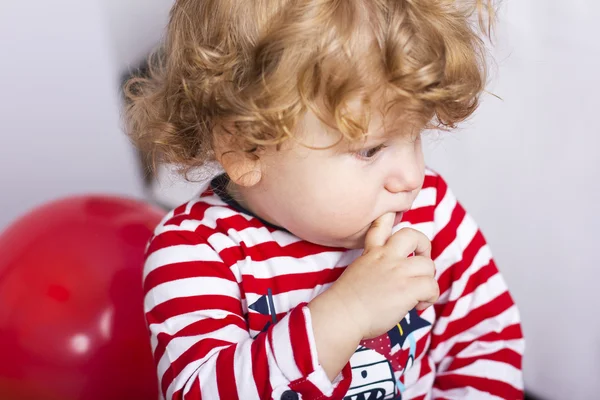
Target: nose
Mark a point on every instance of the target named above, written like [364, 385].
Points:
[406, 173]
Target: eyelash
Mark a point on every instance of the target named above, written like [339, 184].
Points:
[376, 150]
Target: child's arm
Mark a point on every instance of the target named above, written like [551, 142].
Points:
[477, 342]
[199, 336]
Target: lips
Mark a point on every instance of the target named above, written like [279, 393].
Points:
[398, 218]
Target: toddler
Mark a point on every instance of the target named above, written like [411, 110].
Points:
[326, 261]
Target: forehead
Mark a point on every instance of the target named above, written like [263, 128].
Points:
[383, 124]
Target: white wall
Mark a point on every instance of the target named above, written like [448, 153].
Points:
[528, 168]
[135, 26]
[59, 109]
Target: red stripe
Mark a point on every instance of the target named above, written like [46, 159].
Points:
[431, 181]
[194, 353]
[441, 188]
[512, 332]
[184, 270]
[194, 393]
[425, 367]
[174, 238]
[226, 374]
[184, 305]
[238, 222]
[300, 342]
[474, 282]
[180, 209]
[497, 388]
[419, 215]
[289, 282]
[257, 321]
[268, 250]
[260, 365]
[474, 317]
[447, 234]
[456, 271]
[505, 355]
[422, 344]
[180, 215]
[310, 391]
[202, 327]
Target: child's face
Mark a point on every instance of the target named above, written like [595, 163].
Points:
[331, 197]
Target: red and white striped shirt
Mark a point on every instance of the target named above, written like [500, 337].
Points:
[225, 302]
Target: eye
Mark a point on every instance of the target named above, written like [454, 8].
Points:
[371, 152]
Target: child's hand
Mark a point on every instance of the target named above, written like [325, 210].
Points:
[384, 284]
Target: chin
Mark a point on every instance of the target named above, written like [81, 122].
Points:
[352, 241]
[356, 241]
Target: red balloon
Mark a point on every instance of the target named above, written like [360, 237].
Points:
[71, 302]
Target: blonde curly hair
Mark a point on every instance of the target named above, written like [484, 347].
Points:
[257, 66]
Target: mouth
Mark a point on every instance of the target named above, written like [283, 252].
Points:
[398, 218]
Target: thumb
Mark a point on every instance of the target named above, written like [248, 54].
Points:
[380, 231]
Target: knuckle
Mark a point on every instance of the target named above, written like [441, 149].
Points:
[376, 254]
[434, 288]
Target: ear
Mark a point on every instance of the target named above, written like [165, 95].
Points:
[243, 169]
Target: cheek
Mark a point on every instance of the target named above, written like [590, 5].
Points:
[340, 208]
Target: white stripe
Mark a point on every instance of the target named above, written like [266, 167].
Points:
[208, 379]
[314, 356]
[279, 383]
[420, 385]
[453, 253]
[464, 393]
[190, 371]
[178, 322]
[430, 172]
[412, 375]
[485, 293]
[481, 259]
[219, 242]
[185, 378]
[242, 367]
[425, 228]
[163, 221]
[178, 254]
[320, 379]
[211, 215]
[425, 198]
[180, 345]
[454, 291]
[283, 302]
[192, 203]
[290, 265]
[444, 210]
[253, 236]
[491, 369]
[495, 323]
[153, 342]
[481, 349]
[188, 287]
[282, 350]
[190, 383]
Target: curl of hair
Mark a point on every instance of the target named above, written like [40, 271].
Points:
[255, 67]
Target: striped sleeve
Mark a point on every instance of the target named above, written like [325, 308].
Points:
[477, 342]
[199, 335]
